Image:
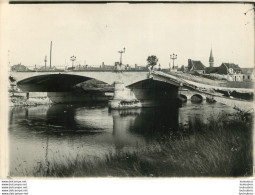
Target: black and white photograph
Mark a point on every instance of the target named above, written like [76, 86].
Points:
[128, 90]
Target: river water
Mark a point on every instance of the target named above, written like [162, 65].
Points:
[55, 133]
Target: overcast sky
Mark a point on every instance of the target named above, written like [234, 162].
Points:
[95, 33]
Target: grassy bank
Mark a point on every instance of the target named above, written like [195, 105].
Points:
[220, 148]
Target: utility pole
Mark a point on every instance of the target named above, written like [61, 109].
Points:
[50, 52]
[121, 52]
[45, 61]
[73, 58]
[173, 57]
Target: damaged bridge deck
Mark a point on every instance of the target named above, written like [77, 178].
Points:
[209, 91]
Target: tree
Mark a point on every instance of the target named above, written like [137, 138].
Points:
[152, 61]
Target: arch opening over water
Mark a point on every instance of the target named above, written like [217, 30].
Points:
[197, 98]
[151, 92]
[51, 83]
[183, 98]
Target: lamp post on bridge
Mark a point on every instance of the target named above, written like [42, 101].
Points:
[121, 52]
[173, 57]
[73, 58]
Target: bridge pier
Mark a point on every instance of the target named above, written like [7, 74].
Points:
[123, 98]
[145, 93]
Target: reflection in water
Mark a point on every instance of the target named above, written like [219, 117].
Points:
[148, 122]
[123, 121]
[61, 115]
[55, 133]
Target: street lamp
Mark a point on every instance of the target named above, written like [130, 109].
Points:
[73, 58]
[121, 52]
[173, 57]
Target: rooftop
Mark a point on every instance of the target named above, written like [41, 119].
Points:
[198, 65]
[247, 70]
[232, 65]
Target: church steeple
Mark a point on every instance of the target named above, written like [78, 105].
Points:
[211, 59]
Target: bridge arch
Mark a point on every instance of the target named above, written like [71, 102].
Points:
[197, 98]
[52, 83]
[183, 98]
[151, 92]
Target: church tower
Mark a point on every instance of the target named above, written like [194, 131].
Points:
[211, 59]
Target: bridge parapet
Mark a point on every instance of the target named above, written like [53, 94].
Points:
[108, 77]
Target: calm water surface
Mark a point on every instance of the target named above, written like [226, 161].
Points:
[56, 133]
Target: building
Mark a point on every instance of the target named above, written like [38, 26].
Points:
[107, 67]
[211, 59]
[248, 74]
[232, 71]
[229, 68]
[211, 70]
[196, 66]
[140, 67]
[228, 71]
[19, 67]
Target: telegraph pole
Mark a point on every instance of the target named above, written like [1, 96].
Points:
[121, 52]
[50, 52]
[45, 61]
[173, 57]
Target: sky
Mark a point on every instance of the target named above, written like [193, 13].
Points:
[94, 33]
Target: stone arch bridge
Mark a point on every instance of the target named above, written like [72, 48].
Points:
[160, 86]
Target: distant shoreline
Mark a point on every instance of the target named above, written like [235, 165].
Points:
[86, 71]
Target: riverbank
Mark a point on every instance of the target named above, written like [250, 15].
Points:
[222, 147]
[18, 100]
